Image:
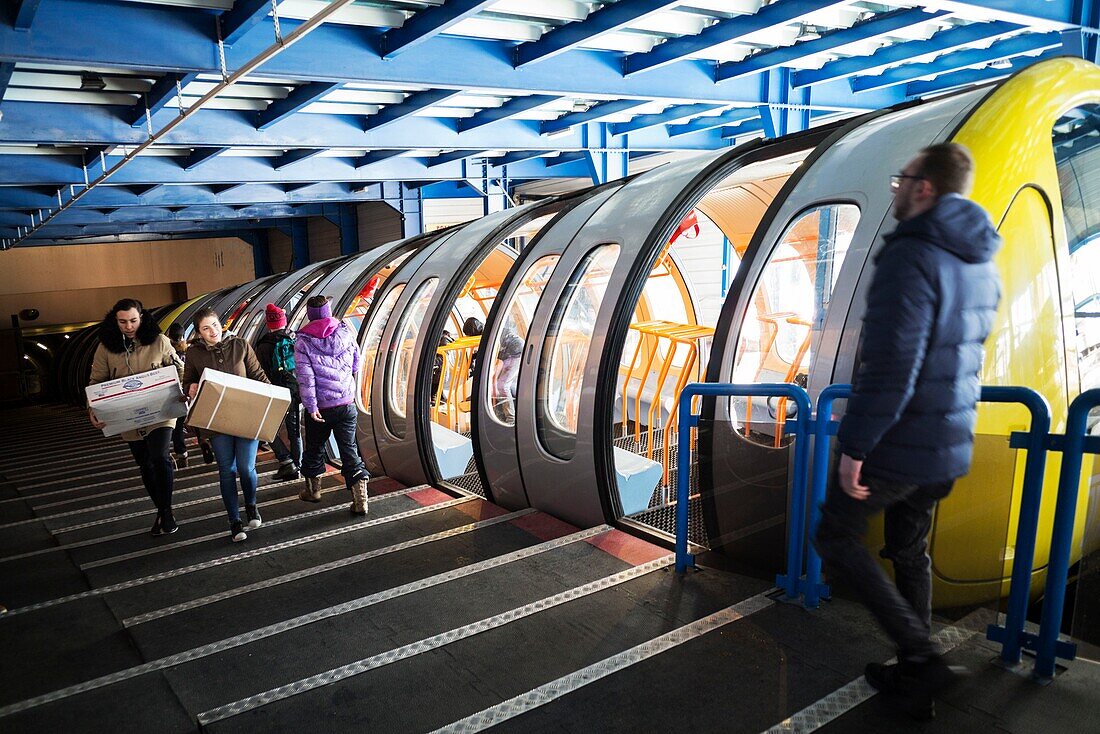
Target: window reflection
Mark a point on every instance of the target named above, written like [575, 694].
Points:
[400, 367]
[371, 340]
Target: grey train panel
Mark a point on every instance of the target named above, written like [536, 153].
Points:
[346, 284]
[745, 484]
[496, 447]
[251, 320]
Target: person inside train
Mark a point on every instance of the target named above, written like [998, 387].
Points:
[130, 342]
[437, 363]
[326, 361]
[179, 446]
[275, 350]
[504, 385]
[908, 432]
[473, 326]
[236, 456]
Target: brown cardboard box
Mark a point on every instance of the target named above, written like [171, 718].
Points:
[237, 406]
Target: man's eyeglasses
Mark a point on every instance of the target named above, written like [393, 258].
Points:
[895, 180]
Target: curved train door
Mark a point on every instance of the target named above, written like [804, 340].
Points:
[250, 324]
[509, 351]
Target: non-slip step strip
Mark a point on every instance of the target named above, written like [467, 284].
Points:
[233, 558]
[105, 470]
[846, 698]
[137, 486]
[144, 531]
[121, 503]
[330, 566]
[221, 534]
[301, 621]
[95, 466]
[429, 643]
[65, 453]
[565, 685]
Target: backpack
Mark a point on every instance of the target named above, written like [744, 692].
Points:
[282, 359]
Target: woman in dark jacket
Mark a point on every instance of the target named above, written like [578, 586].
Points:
[217, 350]
[130, 342]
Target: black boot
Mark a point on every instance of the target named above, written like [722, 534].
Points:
[168, 524]
[158, 528]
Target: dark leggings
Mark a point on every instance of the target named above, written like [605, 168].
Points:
[158, 473]
[178, 443]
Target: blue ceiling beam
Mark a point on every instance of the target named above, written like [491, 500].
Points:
[143, 189]
[1058, 12]
[199, 156]
[6, 70]
[518, 156]
[454, 155]
[595, 113]
[292, 187]
[673, 114]
[411, 105]
[227, 227]
[221, 188]
[241, 18]
[945, 82]
[23, 15]
[119, 196]
[1005, 49]
[566, 158]
[879, 25]
[302, 96]
[701, 124]
[428, 23]
[942, 42]
[86, 216]
[778, 13]
[376, 156]
[291, 157]
[607, 19]
[163, 90]
[749, 126]
[511, 108]
[131, 35]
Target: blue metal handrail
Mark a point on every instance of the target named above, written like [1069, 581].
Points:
[1073, 445]
[799, 426]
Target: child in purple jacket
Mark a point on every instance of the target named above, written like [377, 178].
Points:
[326, 361]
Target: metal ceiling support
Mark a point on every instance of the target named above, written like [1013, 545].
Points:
[778, 13]
[518, 156]
[607, 19]
[454, 155]
[1026, 44]
[945, 82]
[593, 114]
[138, 190]
[177, 197]
[198, 156]
[158, 97]
[242, 18]
[23, 12]
[749, 126]
[299, 243]
[1055, 12]
[412, 104]
[261, 253]
[879, 25]
[699, 124]
[294, 156]
[348, 222]
[939, 43]
[671, 115]
[604, 162]
[511, 108]
[290, 188]
[6, 70]
[562, 159]
[376, 156]
[301, 97]
[428, 23]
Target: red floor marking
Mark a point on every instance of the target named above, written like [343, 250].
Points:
[627, 548]
[544, 527]
[429, 496]
[481, 510]
[383, 485]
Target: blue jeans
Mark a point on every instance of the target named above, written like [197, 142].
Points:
[292, 421]
[235, 454]
[340, 422]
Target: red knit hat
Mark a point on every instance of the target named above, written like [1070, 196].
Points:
[276, 317]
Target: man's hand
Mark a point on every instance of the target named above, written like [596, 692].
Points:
[316, 415]
[192, 391]
[849, 471]
[96, 423]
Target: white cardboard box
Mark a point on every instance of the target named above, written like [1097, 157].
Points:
[129, 403]
[238, 406]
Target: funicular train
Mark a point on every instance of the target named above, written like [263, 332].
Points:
[749, 264]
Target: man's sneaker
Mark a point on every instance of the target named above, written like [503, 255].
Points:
[254, 519]
[168, 524]
[236, 531]
[157, 528]
[900, 691]
[207, 452]
[932, 675]
[181, 460]
[286, 472]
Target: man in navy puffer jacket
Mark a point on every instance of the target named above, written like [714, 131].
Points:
[908, 432]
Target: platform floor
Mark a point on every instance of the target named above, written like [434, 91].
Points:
[434, 613]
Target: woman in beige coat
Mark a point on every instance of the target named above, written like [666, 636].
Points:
[130, 342]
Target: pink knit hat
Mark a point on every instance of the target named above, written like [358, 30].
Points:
[276, 317]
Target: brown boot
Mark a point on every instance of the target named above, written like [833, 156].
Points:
[359, 497]
[312, 492]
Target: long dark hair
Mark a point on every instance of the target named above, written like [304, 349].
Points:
[202, 314]
[111, 337]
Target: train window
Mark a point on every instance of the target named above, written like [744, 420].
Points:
[399, 366]
[371, 340]
[1076, 140]
[787, 310]
[511, 339]
[565, 351]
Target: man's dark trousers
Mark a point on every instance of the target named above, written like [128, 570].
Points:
[904, 610]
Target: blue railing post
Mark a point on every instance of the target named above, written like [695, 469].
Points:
[1061, 543]
[824, 428]
[791, 582]
[1011, 636]
[688, 420]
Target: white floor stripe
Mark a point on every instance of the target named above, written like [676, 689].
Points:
[555, 689]
[300, 621]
